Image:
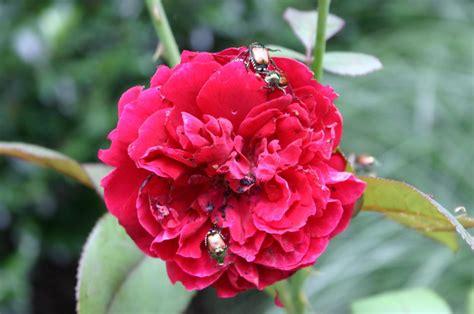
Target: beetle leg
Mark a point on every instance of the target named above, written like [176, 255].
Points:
[241, 53]
[247, 63]
[282, 89]
[270, 87]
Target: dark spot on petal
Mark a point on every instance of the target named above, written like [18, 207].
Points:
[209, 206]
[222, 210]
[245, 181]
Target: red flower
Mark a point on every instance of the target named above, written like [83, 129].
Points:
[234, 185]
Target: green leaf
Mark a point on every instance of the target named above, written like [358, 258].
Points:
[88, 174]
[418, 300]
[447, 238]
[116, 277]
[96, 171]
[281, 51]
[470, 301]
[303, 24]
[342, 63]
[407, 205]
[47, 158]
[350, 63]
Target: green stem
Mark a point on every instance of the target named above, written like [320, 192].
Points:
[290, 292]
[320, 46]
[297, 281]
[284, 294]
[162, 27]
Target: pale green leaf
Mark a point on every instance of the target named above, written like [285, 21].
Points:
[303, 24]
[47, 158]
[448, 238]
[416, 301]
[342, 63]
[281, 51]
[88, 174]
[350, 63]
[96, 171]
[470, 301]
[413, 208]
[116, 277]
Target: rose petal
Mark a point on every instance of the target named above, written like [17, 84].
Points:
[185, 83]
[317, 247]
[161, 76]
[201, 267]
[261, 114]
[345, 187]
[120, 197]
[274, 203]
[135, 113]
[117, 191]
[175, 273]
[344, 221]
[116, 154]
[239, 220]
[297, 73]
[249, 249]
[192, 237]
[230, 93]
[151, 133]
[323, 226]
[277, 299]
[247, 270]
[166, 250]
[128, 97]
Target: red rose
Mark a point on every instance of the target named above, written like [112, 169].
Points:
[234, 185]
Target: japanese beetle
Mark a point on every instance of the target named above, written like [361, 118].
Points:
[215, 243]
[364, 164]
[365, 160]
[275, 79]
[258, 55]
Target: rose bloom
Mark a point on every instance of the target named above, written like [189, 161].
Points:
[208, 160]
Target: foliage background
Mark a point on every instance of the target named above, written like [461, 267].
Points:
[63, 65]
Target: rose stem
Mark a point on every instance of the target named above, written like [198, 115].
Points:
[162, 27]
[320, 46]
[284, 294]
[296, 282]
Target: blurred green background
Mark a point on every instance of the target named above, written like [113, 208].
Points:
[64, 64]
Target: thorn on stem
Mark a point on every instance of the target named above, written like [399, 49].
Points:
[156, 13]
[159, 51]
